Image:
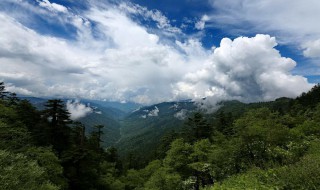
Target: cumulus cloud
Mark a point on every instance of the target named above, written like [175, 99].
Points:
[77, 109]
[114, 57]
[293, 22]
[246, 69]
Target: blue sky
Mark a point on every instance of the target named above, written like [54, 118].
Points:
[152, 51]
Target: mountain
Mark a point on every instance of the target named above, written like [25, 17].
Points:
[142, 130]
[135, 129]
[104, 113]
[125, 107]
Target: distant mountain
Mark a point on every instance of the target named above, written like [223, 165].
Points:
[142, 130]
[104, 113]
[125, 107]
[36, 102]
[132, 128]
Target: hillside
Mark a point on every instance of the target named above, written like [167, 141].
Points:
[143, 128]
[133, 129]
[103, 113]
[172, 145]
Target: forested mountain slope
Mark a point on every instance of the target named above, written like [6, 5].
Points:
[103, 113]
[267, 145]
[142, 130]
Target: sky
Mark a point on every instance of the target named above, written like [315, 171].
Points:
[148, 52]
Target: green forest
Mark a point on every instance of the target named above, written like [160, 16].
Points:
[265, 145]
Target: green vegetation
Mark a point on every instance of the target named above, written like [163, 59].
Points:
[269, 145]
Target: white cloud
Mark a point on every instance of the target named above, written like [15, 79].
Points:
[175, 106]
[52, 6]
[154, 112]
[116, 58]
[151, 113]
[162, 21]
[293, 22]
[181, 115]
[98, 112]
[200, 25]
[312, 49]
[78, 110]
[246, 69]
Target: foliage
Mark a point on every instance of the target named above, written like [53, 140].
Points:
[266, 145]
[19, 172]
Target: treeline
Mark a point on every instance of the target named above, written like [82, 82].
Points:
[272, 145]
[269, 146]
[46, 150]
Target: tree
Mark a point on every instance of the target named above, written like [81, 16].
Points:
[99, 133]
[13, 99]
[200, 165]
[59, 119]
[223, 123]
[164, 179]
[198, 128]
[78, 136]
[178, 157]
[164, 145]
[3, 92]
[50, 163]
[19, 172]
[262, 134]
[14, 135]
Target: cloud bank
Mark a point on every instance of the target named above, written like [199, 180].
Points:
[114, 57]
[247, 69]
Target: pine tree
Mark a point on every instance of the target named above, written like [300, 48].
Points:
[59, 119]
[3, 92]
[13, 100]
[199, 127]
[99, 134]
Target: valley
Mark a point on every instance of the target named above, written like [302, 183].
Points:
[138, 130]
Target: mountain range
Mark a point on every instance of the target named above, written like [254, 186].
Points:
[135, 129]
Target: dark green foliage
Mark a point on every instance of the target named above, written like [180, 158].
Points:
[46, 150]
[101, 115]
[223, 123]
[266, 145]
[311, 98]
[253, 146]
[58, 118]
[164, 146]
[3, 92]
[197, 128]
[19, 172]
[108, 117]
[142, 136]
